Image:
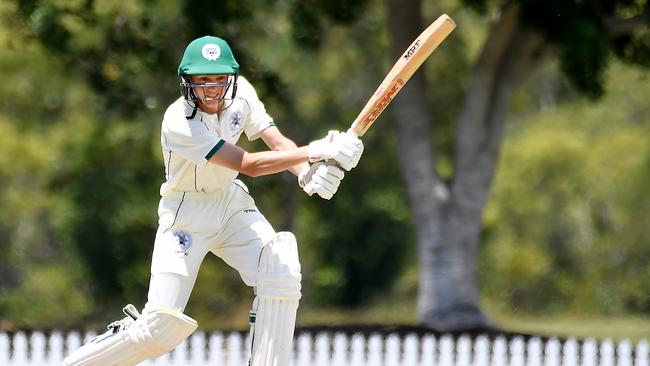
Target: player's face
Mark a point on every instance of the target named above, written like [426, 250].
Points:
[210, 96]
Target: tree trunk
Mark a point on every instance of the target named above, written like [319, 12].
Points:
[448, 216]
[428, 195]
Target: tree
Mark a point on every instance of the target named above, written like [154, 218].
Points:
[103, 61]
[448, 211]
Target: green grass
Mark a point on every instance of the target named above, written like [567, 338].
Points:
[616, 328]
[398, 313]
[576, 324]
[401, 310]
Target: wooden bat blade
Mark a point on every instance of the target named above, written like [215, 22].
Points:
[402, 71]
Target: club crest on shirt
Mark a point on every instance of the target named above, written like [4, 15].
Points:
[236, 122]
[183, 241]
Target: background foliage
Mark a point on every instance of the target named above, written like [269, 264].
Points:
[85, 84]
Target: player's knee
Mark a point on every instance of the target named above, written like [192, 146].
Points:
[279, 272]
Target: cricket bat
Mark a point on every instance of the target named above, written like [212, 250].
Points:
[402, 71]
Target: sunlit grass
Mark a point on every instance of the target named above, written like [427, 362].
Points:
[615, 328]
[403, 312]
[390, 314]
[574, 324]
[395, 312]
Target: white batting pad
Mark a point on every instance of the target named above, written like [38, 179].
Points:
[273, 316]
[150, 336]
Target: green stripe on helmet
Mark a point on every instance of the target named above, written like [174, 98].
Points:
[208, 55]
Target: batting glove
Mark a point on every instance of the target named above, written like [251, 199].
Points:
[344, 148]
[322, 179]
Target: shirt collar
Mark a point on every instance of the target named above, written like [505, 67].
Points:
[199, 112]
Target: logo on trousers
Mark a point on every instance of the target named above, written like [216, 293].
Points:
[184, 242]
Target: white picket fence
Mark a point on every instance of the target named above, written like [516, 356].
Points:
[338, 349]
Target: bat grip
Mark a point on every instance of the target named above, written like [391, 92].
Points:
[352, 132]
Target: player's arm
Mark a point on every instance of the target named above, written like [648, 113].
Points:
[276, 141]
[258, 163]
[344, 150]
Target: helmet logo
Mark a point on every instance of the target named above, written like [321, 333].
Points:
[211, 51]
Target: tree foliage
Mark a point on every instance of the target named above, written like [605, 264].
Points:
[110, 71]
[85, 84]
[560, 225]
[587, 34]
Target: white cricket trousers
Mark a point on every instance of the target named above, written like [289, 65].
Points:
[191, 224]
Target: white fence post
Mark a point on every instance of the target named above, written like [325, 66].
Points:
[197, 357]
[446, 347]
[624, 354]
[570, 353]
[5, 344]
[642, 357]
[534, 352]
[552, 353]
[234, 350]
[410, 354]
[39, 342]
[375, 350]
[20, 349]
[464, 351]
[303, 350]
[607, 353]
[338, 349]
[482, 351]
[589, 352]
[322, 357]
[517, 349]
[428, 351]
[499, 352]
[392, 350]
[72, 342]
[215, 349]
[358, 350]
[55, 345]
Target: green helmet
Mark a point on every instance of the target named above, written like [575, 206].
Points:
[208, 56]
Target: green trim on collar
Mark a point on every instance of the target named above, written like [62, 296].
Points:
[215, 149]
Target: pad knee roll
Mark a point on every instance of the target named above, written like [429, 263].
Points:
[279, 275]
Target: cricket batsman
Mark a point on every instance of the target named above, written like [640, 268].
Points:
[205, 209]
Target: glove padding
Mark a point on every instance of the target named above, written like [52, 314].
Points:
[322, 179]
[344, 148]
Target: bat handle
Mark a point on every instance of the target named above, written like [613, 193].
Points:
[352, 132]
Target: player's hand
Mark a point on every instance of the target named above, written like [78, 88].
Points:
[321, 178]
[344, 148]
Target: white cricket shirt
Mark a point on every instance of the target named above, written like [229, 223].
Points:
[188, 143]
